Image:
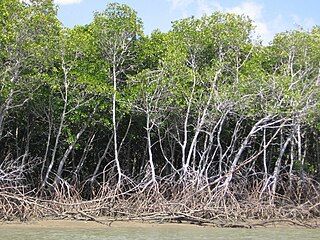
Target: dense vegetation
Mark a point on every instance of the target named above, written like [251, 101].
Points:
[201, 118]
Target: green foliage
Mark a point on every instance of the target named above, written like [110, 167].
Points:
[51, 76]
[115, 31]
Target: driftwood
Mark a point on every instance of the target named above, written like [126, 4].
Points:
[187, 218]
[83, 216]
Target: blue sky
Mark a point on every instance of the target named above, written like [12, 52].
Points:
[270, 16]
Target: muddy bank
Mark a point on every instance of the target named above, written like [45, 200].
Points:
[74, 224]
[123, 223]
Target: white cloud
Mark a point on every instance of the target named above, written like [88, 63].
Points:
[254, 12]
[251, 9]
[204, 7]
[182, 4]
[61, 2]
[303, 22]
[201, 6]
[65, 2]
[248, 8]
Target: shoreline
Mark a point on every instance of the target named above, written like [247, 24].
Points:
[140, 209]
[121, 223]
[91, 224]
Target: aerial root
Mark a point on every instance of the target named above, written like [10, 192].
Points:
[236, 207]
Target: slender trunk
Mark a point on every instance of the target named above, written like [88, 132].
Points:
[47, 150]
[115, 136]
[243, 146]
[66, 155]
[199, 125]
[6, 106]
[149, 128]
[185, 132]
[95, 173]
[62, 119]
[299, 142]
[220, 147]
[26, 151]
[3, 111]
[277, 167]
[291, 163]
[265, 155]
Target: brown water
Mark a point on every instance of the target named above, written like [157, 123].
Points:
[65, 230]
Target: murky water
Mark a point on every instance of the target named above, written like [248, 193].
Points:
[148, 232]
